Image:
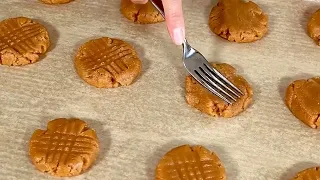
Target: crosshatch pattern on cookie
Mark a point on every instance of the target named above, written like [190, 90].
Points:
[109, 57]
[107, 62]
[187, 162]
[190, 168]
[65, 143]
[23, 38]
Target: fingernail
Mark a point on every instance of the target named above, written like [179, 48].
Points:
[178, 36]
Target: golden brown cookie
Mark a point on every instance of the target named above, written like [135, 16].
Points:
[107, 63]
[56, 1]
[303, 100]
[140, 13]
[67, 148]
[308, 174]
[186, 162]
[238, 21]
[203, 100]
[314, 27]
[22, 41]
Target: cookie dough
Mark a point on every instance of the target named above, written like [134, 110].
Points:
[203, 100]
[56, 1]
[67, 148]
[107, 63]
[22, 41]
[186, 162]
[314, 27]
[238, 21]
[303, 100]
[140, 13]
[308, 174]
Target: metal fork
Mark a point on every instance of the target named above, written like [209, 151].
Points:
[200, 69]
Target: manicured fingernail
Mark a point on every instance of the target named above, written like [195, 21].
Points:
[178, 36]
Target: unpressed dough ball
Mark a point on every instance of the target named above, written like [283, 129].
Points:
[303, 100]
[238, 21]
[314, 27]
[140, 13]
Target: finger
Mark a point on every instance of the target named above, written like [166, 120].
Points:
[139, 1]
[174, 20]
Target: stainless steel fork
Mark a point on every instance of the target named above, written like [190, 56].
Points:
[200, 69]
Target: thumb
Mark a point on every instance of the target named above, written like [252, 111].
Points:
[174, 20]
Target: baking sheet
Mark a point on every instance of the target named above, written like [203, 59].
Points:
[138, 124]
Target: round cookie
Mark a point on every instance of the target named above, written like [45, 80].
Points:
[67, 148]
[186, 162]
[22, 41]
[140, 13]
[55, 1]
[303, 100]
[308, 174]
[107, 63]
[314, 27]
[203, 100]
[238, 21]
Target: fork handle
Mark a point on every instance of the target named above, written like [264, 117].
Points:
[159, 6]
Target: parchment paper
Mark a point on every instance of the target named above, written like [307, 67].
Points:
[138, 124]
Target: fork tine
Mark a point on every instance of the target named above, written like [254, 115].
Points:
[224, 79]
[210, 74]
[210, 88]
[214, 84]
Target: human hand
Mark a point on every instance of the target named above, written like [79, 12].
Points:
[174, 19]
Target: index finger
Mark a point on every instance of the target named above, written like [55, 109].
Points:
[174, 19]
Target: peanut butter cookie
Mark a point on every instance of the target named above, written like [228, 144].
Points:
[56, 1]
[314, 27]
[22, 41]
[308, 174]
[67, 148]
[203, 100]
[238, 21]
[303, 100]
[186, 162]
[140, 13]
[107, 63]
